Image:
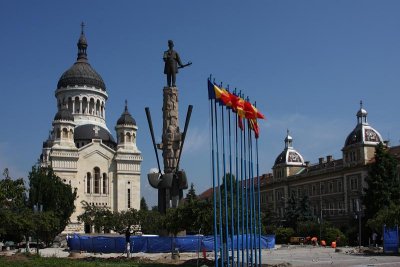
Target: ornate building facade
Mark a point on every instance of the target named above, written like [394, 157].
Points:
[334, 186]
[81, 149]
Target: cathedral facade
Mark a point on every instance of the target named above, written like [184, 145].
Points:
[81, 149]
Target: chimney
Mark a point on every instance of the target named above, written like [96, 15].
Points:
[329, 158]
[321, 160]
[307, 163]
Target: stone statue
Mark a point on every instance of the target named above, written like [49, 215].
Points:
[172, 60]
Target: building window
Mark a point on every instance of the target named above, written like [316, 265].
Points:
[340, 207]
[330, 187]
[128, 138]
[129, 198]
[354, 183]
[339, 186]
[299, 192]
[88, 182]
[105, 183]
[331, 207]
[96, 180]
[322, 188]
[314, 189]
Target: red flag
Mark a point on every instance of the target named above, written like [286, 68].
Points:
[251, 112]
[222, 95]
[254, 126]
[240, 122]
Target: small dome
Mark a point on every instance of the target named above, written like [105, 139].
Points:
[87, 132]
[289, 156]
[126, 118]
[63, 114]
[363, 133]
[81, 73]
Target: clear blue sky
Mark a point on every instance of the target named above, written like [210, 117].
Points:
[306, 63]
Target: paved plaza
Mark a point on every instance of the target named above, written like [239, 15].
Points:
[280, 256]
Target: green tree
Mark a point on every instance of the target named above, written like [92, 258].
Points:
[56, 197]
[143, 204]
[383, 187]
[298, 210]
[150, 221]
[191, 195]
[15, 217]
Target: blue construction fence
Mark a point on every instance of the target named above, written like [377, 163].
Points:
[156, 244]
[391, 239]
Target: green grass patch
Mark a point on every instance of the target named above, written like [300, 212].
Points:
[23, 260]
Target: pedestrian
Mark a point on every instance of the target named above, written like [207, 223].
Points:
[374, 236]
[127, 240]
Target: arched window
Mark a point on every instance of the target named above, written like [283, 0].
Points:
[58, 133]
[97, 180]
[65, 133]
[105, 183]
[77, 105]
[70, 106]
[88, 182]
[121, 138]
[91, 106]
[128, 137]
[84, 105]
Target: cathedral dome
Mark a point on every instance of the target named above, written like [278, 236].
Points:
[63, 115]
[289, 156]
[81, 73]
[126, 118]
[363, 133]
[87, 132]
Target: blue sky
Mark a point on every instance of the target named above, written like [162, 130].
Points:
[306, 63]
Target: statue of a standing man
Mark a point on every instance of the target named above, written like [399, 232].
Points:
[172, 60]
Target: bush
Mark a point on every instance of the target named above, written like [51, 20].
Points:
[331, 233]
[308, 228]
[282, 235]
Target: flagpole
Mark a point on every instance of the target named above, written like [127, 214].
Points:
[213, 178]
[232, 192]
[237, 191]
[254, 216]
[242, 189]
[251, 189]
[246, 192]
[219, 185]
[259, 203]
[225, 186]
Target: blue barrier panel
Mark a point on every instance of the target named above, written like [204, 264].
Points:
[138, 244]
[104, 244]
[188, 243]
[159, 244]
[390, 239]
[155, 244]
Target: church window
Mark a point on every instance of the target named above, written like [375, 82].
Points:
[128, 138]
[58, 133]
[88, 181]
[121, 138]
[91, 106]
[96, 180]
[129, 198]
[84, 105]
[105, 182]
[70, 105]
[65, 133]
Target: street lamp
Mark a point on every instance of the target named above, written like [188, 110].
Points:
[37, 209]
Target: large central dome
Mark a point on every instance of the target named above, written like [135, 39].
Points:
[81, 73]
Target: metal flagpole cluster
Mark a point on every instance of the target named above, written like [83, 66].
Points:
[235, 177]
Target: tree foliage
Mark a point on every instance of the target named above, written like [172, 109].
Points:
[57, 198]
[298, 210]
[383, 189]
[143, 204]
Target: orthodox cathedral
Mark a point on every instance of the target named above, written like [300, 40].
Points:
[81, 149]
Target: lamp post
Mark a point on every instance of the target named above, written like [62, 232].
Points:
[37, 209]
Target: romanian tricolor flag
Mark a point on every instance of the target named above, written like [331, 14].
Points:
[254, 126]
[222, 95]
[251, 112]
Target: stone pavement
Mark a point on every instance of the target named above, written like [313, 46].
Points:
[280, 256]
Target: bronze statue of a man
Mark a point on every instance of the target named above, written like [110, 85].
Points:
[172, 60]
